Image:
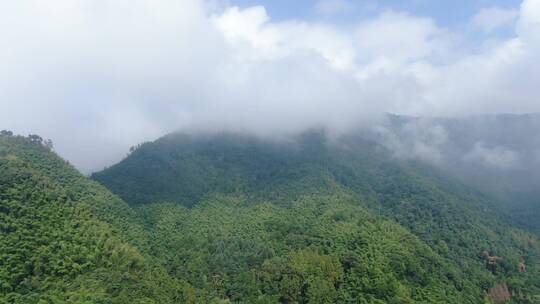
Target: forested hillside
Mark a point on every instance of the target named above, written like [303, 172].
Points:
[242, 220]
[269, 152]
[190, 175]
[64, 238]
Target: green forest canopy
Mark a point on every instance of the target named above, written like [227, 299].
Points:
[235, 219]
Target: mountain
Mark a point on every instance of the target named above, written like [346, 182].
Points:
[66, 239]
[509, 149]
[222, 218]
[320, 219]
[498, 154]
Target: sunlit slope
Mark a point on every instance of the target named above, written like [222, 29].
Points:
[55, 245]
[457, 222]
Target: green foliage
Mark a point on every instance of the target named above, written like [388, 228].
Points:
[53, 248]
[321, 249]
[455, 221]
[234, 219]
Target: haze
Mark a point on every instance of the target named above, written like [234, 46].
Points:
[99, 76]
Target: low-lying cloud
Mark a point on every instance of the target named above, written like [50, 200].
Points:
[493, 157]
[97, 76]
[420, 139]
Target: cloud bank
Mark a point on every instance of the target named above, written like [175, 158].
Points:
[98, 76]
[497, 157]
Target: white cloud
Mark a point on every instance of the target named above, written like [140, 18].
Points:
[493, 157]
[420, 139]
[490, 19]
[99, 76]
[528, 25]
[249, 26]
[273, 41]
[398, 36]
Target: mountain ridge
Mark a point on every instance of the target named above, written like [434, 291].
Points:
[313, 221]
[456, 220]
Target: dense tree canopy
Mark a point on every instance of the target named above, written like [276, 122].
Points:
[53, 247]
[234, 219]
[455, 221]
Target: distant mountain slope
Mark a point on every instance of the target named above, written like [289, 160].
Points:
[456, 221]
[499, 154]
[502, 156]
[55, 245]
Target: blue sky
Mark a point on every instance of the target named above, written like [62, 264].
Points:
[447, 13]
[455, 15]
